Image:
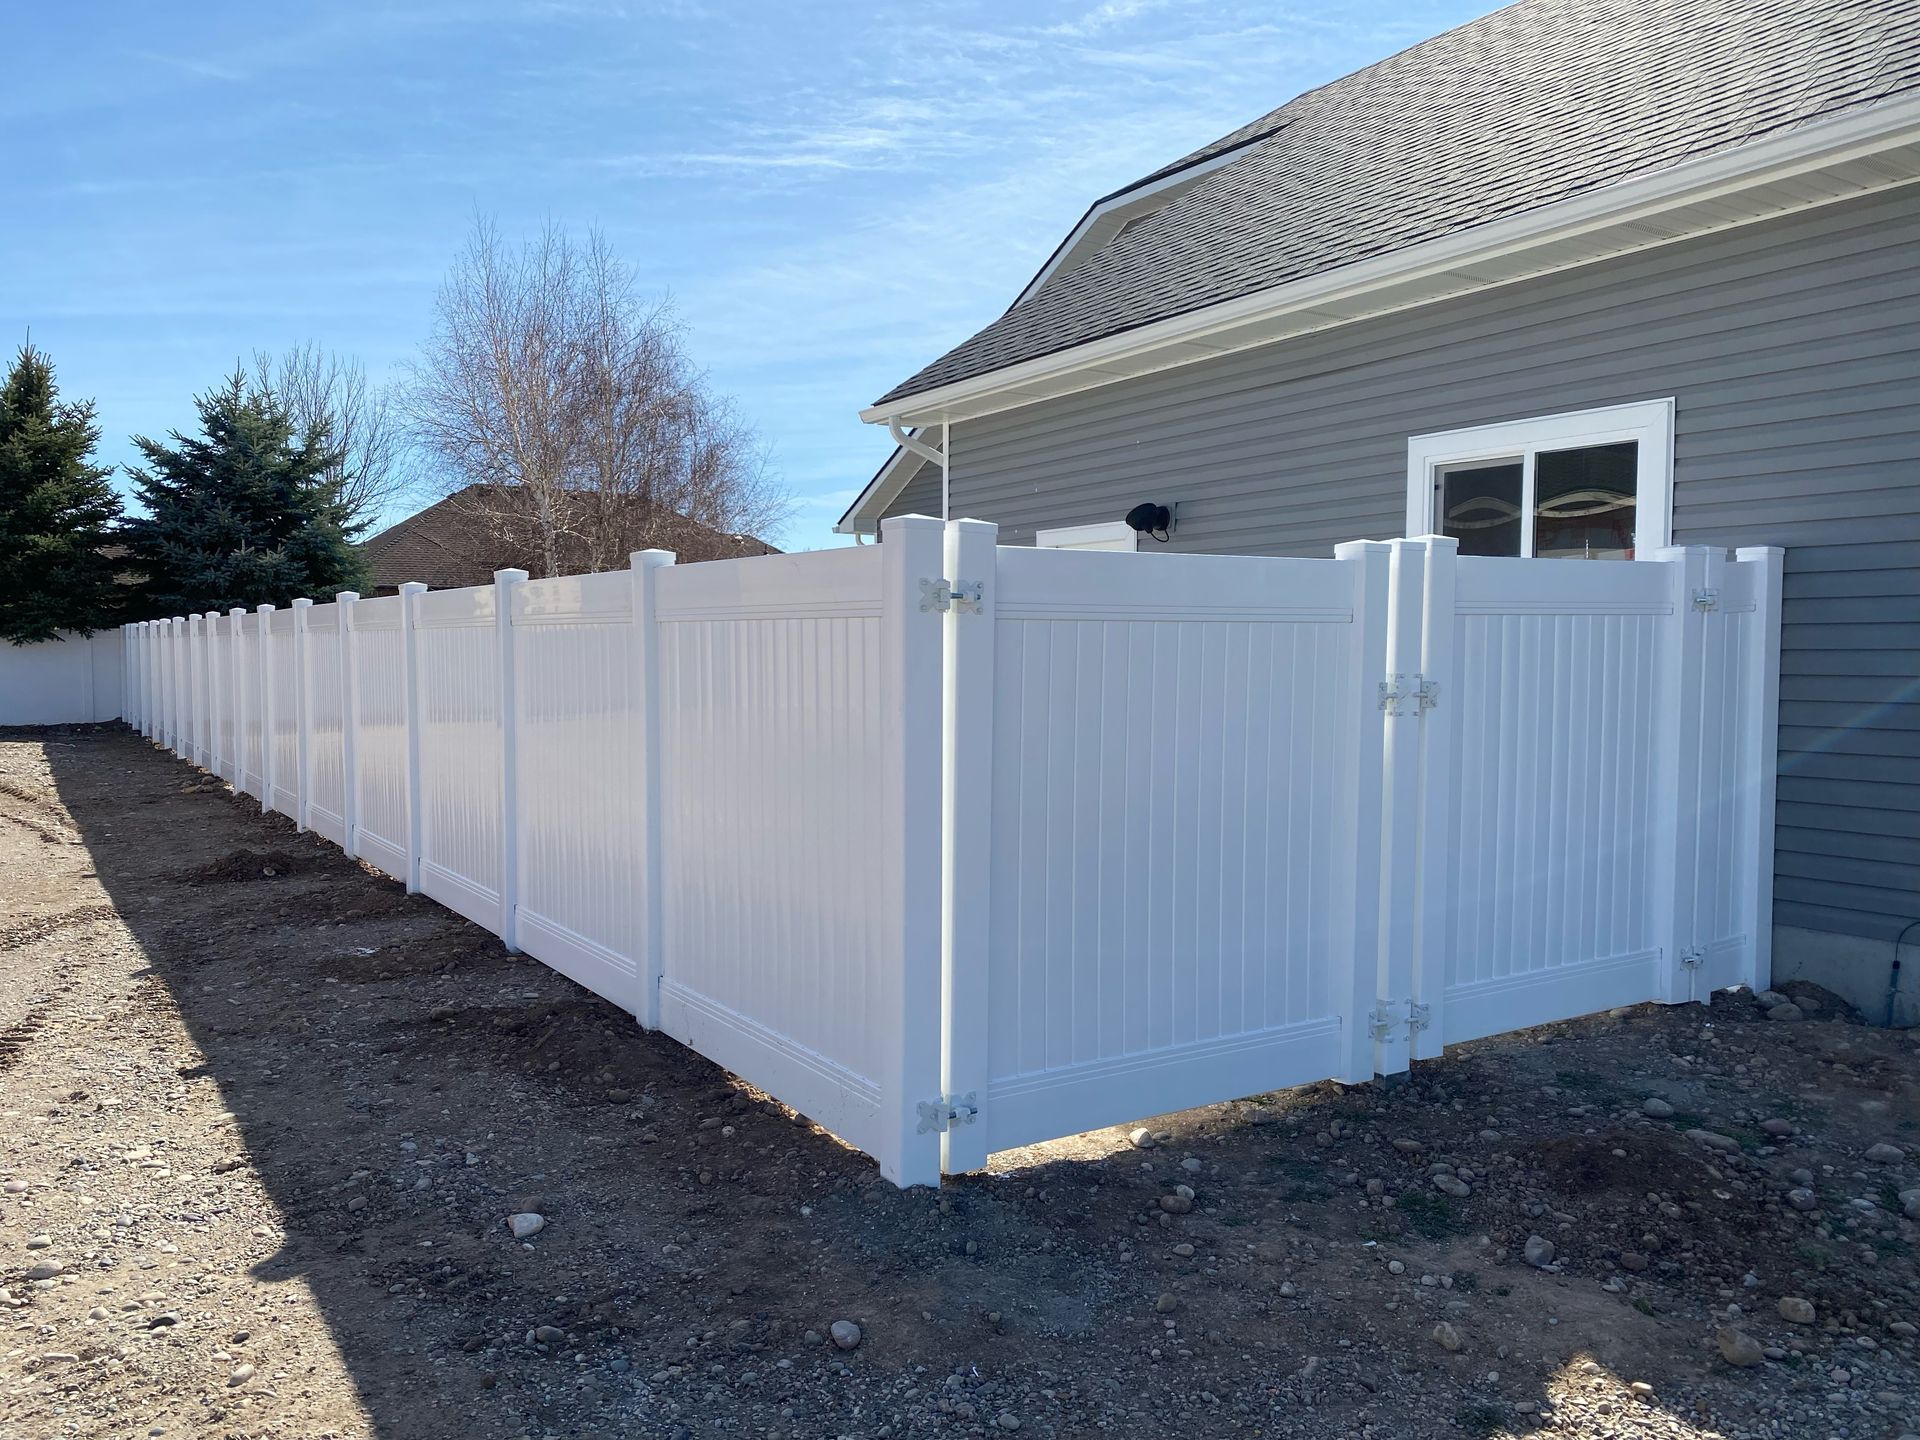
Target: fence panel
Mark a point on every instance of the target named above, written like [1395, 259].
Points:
[380, 733]
[1176, 746]
[579, 781]
[460, 752]
[800, 944]
[326, 718]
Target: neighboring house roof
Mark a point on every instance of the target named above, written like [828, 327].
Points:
[1530, 106]
[464, 538]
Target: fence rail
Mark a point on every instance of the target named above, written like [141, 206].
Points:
[956, 847]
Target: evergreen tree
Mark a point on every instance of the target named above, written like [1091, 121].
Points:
[56, 508]
[248, 511]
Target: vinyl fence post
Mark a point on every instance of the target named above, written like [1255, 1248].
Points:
[237, 691]
[303, 708]
[907, 896]
[1434, 892]
[649, 956]
[504, 584]
[181, 691]
[1357, 836]
[349, 724]
[1760, 753]
[966, 805]
[410, 594]
[1678, 714]
[1400, 778]
[263, 626]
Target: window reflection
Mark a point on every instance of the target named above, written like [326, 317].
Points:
[1584, 502]
[1480, 506]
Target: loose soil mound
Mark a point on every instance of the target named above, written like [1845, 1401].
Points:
[244, 865]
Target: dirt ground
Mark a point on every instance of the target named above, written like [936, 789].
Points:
[263, 1117]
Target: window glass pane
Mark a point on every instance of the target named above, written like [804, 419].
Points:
[1584, 502]
[1480, 506]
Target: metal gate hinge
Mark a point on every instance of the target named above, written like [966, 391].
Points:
[1399, 691]
[948, 1111]
[943, 595]
[1704, 599]
[1383, 1020]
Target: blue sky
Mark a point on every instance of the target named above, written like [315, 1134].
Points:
[832, 194]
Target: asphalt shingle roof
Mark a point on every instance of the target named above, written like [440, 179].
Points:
[1532, 104]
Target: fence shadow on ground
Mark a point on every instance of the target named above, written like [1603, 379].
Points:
[399, 1085]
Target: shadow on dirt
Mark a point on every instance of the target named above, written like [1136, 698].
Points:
[401, 1085]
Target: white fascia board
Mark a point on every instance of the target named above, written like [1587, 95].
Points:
[1199, 333]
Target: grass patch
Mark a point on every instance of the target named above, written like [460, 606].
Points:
[1429, 1214]
[1480, 1419]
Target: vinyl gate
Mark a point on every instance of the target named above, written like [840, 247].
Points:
[956, 848]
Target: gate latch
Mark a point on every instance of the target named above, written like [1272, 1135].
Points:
[948, 1112]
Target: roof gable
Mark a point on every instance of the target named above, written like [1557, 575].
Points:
[1532, 105]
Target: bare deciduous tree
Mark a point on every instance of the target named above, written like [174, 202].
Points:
[331, 392]
[549, 381]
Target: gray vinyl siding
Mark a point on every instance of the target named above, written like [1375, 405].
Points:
[1792, 351]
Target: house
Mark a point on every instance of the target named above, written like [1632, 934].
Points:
[475, 531]
[1580, 278]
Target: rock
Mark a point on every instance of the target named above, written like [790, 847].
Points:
[846, 1334]
[1141, 1139]
[1885, 1154]
[1183, 1250]
[39, 1242]
[526, 1225]
[1714, 1140]
[1008, 1420]
[1448, 1338]
[1642, 1389]
[358, 1202]
[1788, 1011]
[549, 1335]
[1193, 1165]
[45, 1270]
[1633, 1260]
[1803, 1199]
[15, 1187]
[241, 1374]
[1796, 1311]
[1777, 1128]
[1167, 1304]
[1452, 1185]
[1656, 1108]
[1910, 1203]
[1905, 1329]
[1176, 1204]
[1539, 1251]
[1767, 999]
[1408, 1147]
[1738, 1348]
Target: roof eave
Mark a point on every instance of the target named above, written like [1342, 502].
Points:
[1860, 150]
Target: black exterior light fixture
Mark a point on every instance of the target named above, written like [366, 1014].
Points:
[1151, 519]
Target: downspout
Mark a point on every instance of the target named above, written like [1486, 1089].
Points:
[927, 452]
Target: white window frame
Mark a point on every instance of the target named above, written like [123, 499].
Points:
[1649, 423]
[1079, 537]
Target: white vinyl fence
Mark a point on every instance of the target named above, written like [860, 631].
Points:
[72, 680]
[956, 848]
